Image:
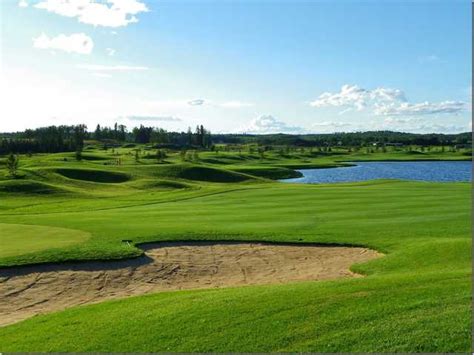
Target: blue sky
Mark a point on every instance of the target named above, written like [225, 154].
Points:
[238, 66]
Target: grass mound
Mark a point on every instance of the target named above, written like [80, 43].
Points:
[273, 173]
[93, 175]
[29, 187]
[162, 184]
[200, 173]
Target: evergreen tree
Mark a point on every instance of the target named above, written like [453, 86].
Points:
[98, 133]
[12, 165]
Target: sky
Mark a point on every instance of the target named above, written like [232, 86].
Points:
[237, 66]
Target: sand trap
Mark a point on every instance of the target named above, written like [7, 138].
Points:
[27, 291]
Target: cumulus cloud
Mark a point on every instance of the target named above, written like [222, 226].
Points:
[108, 13]
[384, 102]
[423, 108]
[355, 97]
[75, 43]
[22, 3]
[154, 118]
[269, 124]
[101, 68]
[196, 102]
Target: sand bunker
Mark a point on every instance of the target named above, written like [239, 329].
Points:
[27, 291]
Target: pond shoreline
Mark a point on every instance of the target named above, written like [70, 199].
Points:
[427, 170]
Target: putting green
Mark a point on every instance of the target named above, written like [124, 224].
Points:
[19, 239]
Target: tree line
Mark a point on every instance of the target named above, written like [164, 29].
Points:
[44, 140]
[71, 138]
[353, 139]
[54, 139]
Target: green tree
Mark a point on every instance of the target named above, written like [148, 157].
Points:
[160, 155]
[189, 135]
[98, 132]
[78, 154]
[182, 155]
[12, 164]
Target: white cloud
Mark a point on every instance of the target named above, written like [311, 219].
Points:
[196, 102]
[350, 95]
[387, 95]
[153, 118]
[110, 51]
[269, 124]
[108, 13]
[75, 43]
[22, 3]
[100, 68]
[384, 102]
[355, 97]
[419, 109]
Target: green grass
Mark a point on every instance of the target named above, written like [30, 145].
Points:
[19, 239]
[416, 298]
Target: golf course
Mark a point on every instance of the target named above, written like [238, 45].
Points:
[403, 285]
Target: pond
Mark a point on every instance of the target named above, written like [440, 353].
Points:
[441, 171]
